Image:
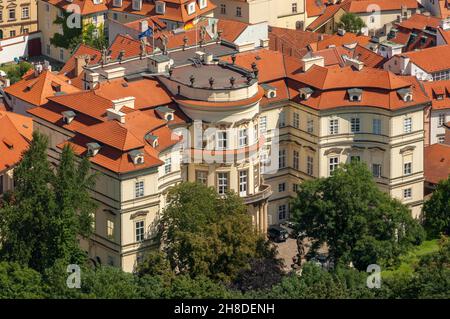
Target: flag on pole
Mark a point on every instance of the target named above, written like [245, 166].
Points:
[188, 26]
[147, 33]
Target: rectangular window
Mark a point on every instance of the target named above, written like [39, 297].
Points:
[263, 124]
[221, 140]
[295, 187]
[110, 229]
[201, 177]
[441, 139]
[355, 125]
[407, 193]
[139, 230]
[61, 54]
[296, 120]
[441, 119]
[281, 187]
[12, 33]
[407, 168]
[309, 165]
[139, 189]
[25, 12]
[12, 14]
[282, 212]
[223, 9]
[202, 4]
[310, 126]
[282, 120]
[334, 127]
[222, 183]
[296, 160]
[282, 159]
[167, 165]
[407, 125]
[376, 170]
[1, 184]
[376, 126]
[294, 7]
[243, 180]
[243, 138]
[238, 12]
[333, 163]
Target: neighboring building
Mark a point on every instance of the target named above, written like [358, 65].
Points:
[439, 113]
[174, 14]
[430, 64]
[375, 14]
[21, 46]
[18, 17]
[34, 89]
[288, 14]
[437, 165]
[91, 12]
[15, 135]
[438, 8]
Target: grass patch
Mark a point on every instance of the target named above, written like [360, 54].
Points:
[411, 259]
[16, 70]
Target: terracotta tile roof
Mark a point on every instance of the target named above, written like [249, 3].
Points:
[130, 46]
[175, 10]
[360, 6]
[339, 40]
[431, 59]
[177, 40]
[14, 138]
[267, 61]
[36, 90]
[437, 163]
[179, 116]
[148, 92]
[114, 134]
[445, 35]
[282, 92]
[86, 6]
[315, 8]
[153, 21]
[444, 11]
[86, 102]
[231, 29]
[436, 88]
[292, 42]
[420, 22]
[324, 17]
[368, 57]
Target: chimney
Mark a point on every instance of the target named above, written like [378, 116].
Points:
[341, 32]
[91, 80]
[264, 43]
[308, 61]
[358, 65]
[37, 69]
[143, 25]
[115, 73]
[80, 62]
[113, 114]
[125, 101]
[47, 66]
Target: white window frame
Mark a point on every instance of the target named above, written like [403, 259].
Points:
[238, 12]
[407, 193]
[222, 140]
[333, 126]
[25, 12]
[243, 137]
[202, 4]
[441, 119]
[376, 126]
[139, 189]
[281, 187]
[296, 160]
[310, 126]
[310, 165]
[282, 159]
[243, 182]
[139, 230]
[110, 228]
[201, 177]
[190, 8]
[282, 212]
[167, 165]
[282, 119]
[376, 170]
[222, 182]
[333, 163]
[407, 125]
[296, 120]
[407, 168]
[355, 125]
[263, 124]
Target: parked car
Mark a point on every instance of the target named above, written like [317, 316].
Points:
[277, 234]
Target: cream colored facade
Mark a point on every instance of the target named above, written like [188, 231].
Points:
[47, 14]
[278, 13]
[17, 17]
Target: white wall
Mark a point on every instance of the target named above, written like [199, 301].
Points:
[15, 47]
[254, 33]
[435, 129]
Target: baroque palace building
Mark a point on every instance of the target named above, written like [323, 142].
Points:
[234, 118]
[17, 17]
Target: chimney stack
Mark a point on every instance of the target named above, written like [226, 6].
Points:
[308, 61]
[80, 62]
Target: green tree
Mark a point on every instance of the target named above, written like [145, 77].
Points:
[437, 211]
[71, 36]
[47, 211]
[17, 282]
[205, 234]
[358, 222]
[350, 22]
[94, 37]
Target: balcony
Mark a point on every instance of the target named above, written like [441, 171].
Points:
[262, 194]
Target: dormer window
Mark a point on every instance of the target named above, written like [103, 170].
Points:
[160, 7]
[191, 8]
[68, 116]
[269, 91]
[137, 156]
[202, 4]
[405, 94]
[117, 3]
[165, 113]
[440, 96]
[137, 5]
[305, 93]
[152, 140]
[355, 95]
[97, 1]
[92, 149]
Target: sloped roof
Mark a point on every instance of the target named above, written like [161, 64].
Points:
[437, 163]
[431, 59]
